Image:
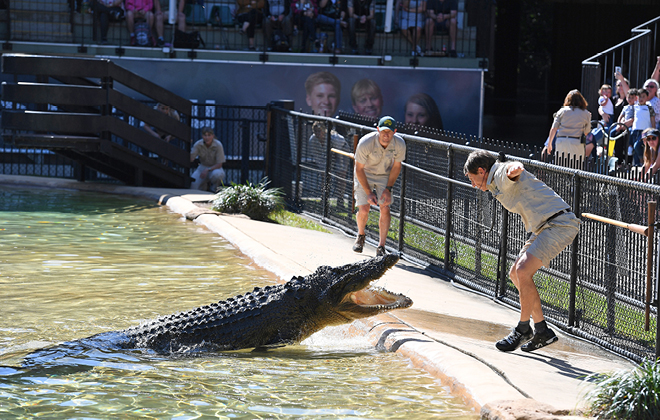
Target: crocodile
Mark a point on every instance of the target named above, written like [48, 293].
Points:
[271, 316]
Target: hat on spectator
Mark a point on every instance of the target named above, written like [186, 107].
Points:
[651, 132]
[387, 123]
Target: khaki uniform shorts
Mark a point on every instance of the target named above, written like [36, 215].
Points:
[552, 238]
[377, 183]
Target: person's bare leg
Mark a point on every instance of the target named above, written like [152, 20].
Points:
[418, 38]
[430, 27]
[383, 224]
[530, 301]
[406, 34]
[181, 17]
[159, 24]
[130, 21]
[362, 218]
[452, 33]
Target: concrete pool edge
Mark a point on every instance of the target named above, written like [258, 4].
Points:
[478, 386]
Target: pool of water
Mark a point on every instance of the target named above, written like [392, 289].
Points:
[75, 264]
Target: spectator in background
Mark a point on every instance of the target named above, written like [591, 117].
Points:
[317, 148]
[139, 9]
[277, 16]
[362, 13]
[644, 117]
[626, 120]
[248, 14]
[181, 15]
[421, 109]
[650, 138]
[367, 98]
[620, 99]
[107, 11]
[571, 122]
[609, 109]
[413, 18]
[165, 109]
[209, 173]
[323, 90]
[605, 104]
[340, 164]
[160, 9]
[654, 91]
[441, 18]
[304, 15]
[333, 12]
[651, 86]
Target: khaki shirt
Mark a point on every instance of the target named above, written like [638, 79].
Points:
[530, 198]
[208, 156]
[572, 122]
[378, 161]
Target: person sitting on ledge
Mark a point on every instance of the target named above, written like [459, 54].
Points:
[209, 173]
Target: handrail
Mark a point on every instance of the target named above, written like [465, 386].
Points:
[638, 28]
[43, 65]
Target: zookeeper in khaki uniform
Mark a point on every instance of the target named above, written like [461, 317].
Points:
[552, 224]
[378, 158]
[211, 154]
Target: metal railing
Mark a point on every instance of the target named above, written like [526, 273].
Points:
[636, 57]
[77, 22]
[594, 289]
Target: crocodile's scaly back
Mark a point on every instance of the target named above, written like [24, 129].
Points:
[251, 320]
[269, 316]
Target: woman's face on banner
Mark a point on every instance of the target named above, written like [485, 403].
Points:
[416, 114]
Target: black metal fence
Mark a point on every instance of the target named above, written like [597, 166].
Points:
[242, 131]
[75, 21]
[594, 289]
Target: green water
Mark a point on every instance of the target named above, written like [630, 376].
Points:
[75, 264]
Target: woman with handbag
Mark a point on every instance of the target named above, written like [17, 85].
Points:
[571, 124]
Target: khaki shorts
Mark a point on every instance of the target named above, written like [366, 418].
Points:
[552, 238]
[377, 183]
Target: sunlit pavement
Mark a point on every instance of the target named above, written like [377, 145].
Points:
[450, 331]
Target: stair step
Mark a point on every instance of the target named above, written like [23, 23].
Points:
[50, 141]
[39, 17]
[40, 5]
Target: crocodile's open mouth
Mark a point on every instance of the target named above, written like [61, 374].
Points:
[379, 298]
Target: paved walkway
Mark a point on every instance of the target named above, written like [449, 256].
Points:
[450, 331]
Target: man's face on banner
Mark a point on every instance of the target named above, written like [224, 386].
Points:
[369, 105]
[323, 100]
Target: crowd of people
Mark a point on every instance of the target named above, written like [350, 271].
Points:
[628, 118]
[417, 20]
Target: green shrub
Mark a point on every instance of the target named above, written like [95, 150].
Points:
[631, 394]
[255, 201]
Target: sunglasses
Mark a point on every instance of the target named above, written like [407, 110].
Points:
[652, 138]
[651, 87]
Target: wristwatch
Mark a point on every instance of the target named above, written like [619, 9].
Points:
[389, 188]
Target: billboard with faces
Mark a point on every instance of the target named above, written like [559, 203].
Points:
[420, 95]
